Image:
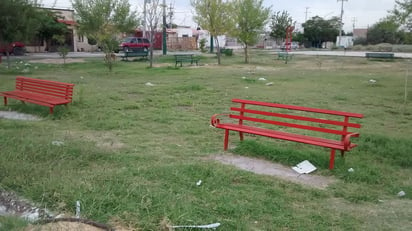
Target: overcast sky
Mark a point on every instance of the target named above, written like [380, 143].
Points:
[363, 13]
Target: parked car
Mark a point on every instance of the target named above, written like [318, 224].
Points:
[133, 42]
[293, 45]
[16, 48]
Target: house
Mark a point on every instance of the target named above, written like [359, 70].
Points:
[75, 41]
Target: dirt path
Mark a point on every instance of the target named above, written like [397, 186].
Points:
[264, 167]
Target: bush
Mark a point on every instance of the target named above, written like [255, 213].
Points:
[386, 47]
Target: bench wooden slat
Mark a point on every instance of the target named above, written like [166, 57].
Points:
[285, 124]
[300, 108]
[327, 143]
[303, 118]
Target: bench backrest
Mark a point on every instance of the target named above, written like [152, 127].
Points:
[296, 117]
[45, 87]
[183, 57]
[140, 50]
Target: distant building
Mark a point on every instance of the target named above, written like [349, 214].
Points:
[345, 41]
[360, 33]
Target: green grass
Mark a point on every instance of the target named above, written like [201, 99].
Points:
[133, 153]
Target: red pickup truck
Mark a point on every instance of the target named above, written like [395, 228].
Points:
[16, 48]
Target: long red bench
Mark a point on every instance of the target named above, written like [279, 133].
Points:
[292, 123]
[42, 92]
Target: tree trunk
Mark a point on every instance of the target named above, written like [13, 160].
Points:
[246, 54]
[218, 51]
[8, 59]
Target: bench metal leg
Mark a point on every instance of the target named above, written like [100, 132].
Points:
[5, 101]
[332, 159]
[51, 110]
[241, 136]
[226, 139]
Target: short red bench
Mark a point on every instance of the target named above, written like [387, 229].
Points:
[292, 123]
[42, 92]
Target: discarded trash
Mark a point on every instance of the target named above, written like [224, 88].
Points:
[304, 167]
[351, 170]
[262, 79]
[77, 209]
[381, 201]
[246, 87]
[372, 81]
[401, 194]
[149, 84]
[210, 226]
[269, 84]
[243, 77]
[199, 183]
[57, 143]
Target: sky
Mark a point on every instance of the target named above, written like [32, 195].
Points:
[358, 13]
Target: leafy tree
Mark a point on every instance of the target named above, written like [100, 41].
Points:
[318, 30]
[104, 21]
[385, 31]
[402, 12]
[50, 27]
[18, 20]
[280, 21]
[251, 18]
[216, 16]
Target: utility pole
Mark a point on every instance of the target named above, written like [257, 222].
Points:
[306, 13]
[354, 20]
[341, 23]
[170, 16]
[164, 28]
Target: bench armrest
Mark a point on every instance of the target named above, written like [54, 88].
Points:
[214, 121]
[346, 140]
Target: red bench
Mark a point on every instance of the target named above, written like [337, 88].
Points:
[42, 92]
[272, 120]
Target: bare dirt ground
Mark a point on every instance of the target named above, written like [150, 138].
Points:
[57, 61]
[265, 167]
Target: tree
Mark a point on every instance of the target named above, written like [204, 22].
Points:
[318, 30]
[18, 22]
[251, 18]
[104, 21]
[385, 31]
[216, 16]
[280, 21]
[153, 15]
[402, 13]
[49, 26]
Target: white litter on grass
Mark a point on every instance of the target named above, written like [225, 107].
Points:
[199, 183]
[57, 143]
[304, 167]
[401, 194]
[210, 226]
[246, 87]
[243, 77]
[77, 209]
[262, 79]
[149, 84]
[269, 84]
[351, 170]
[372, 81]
